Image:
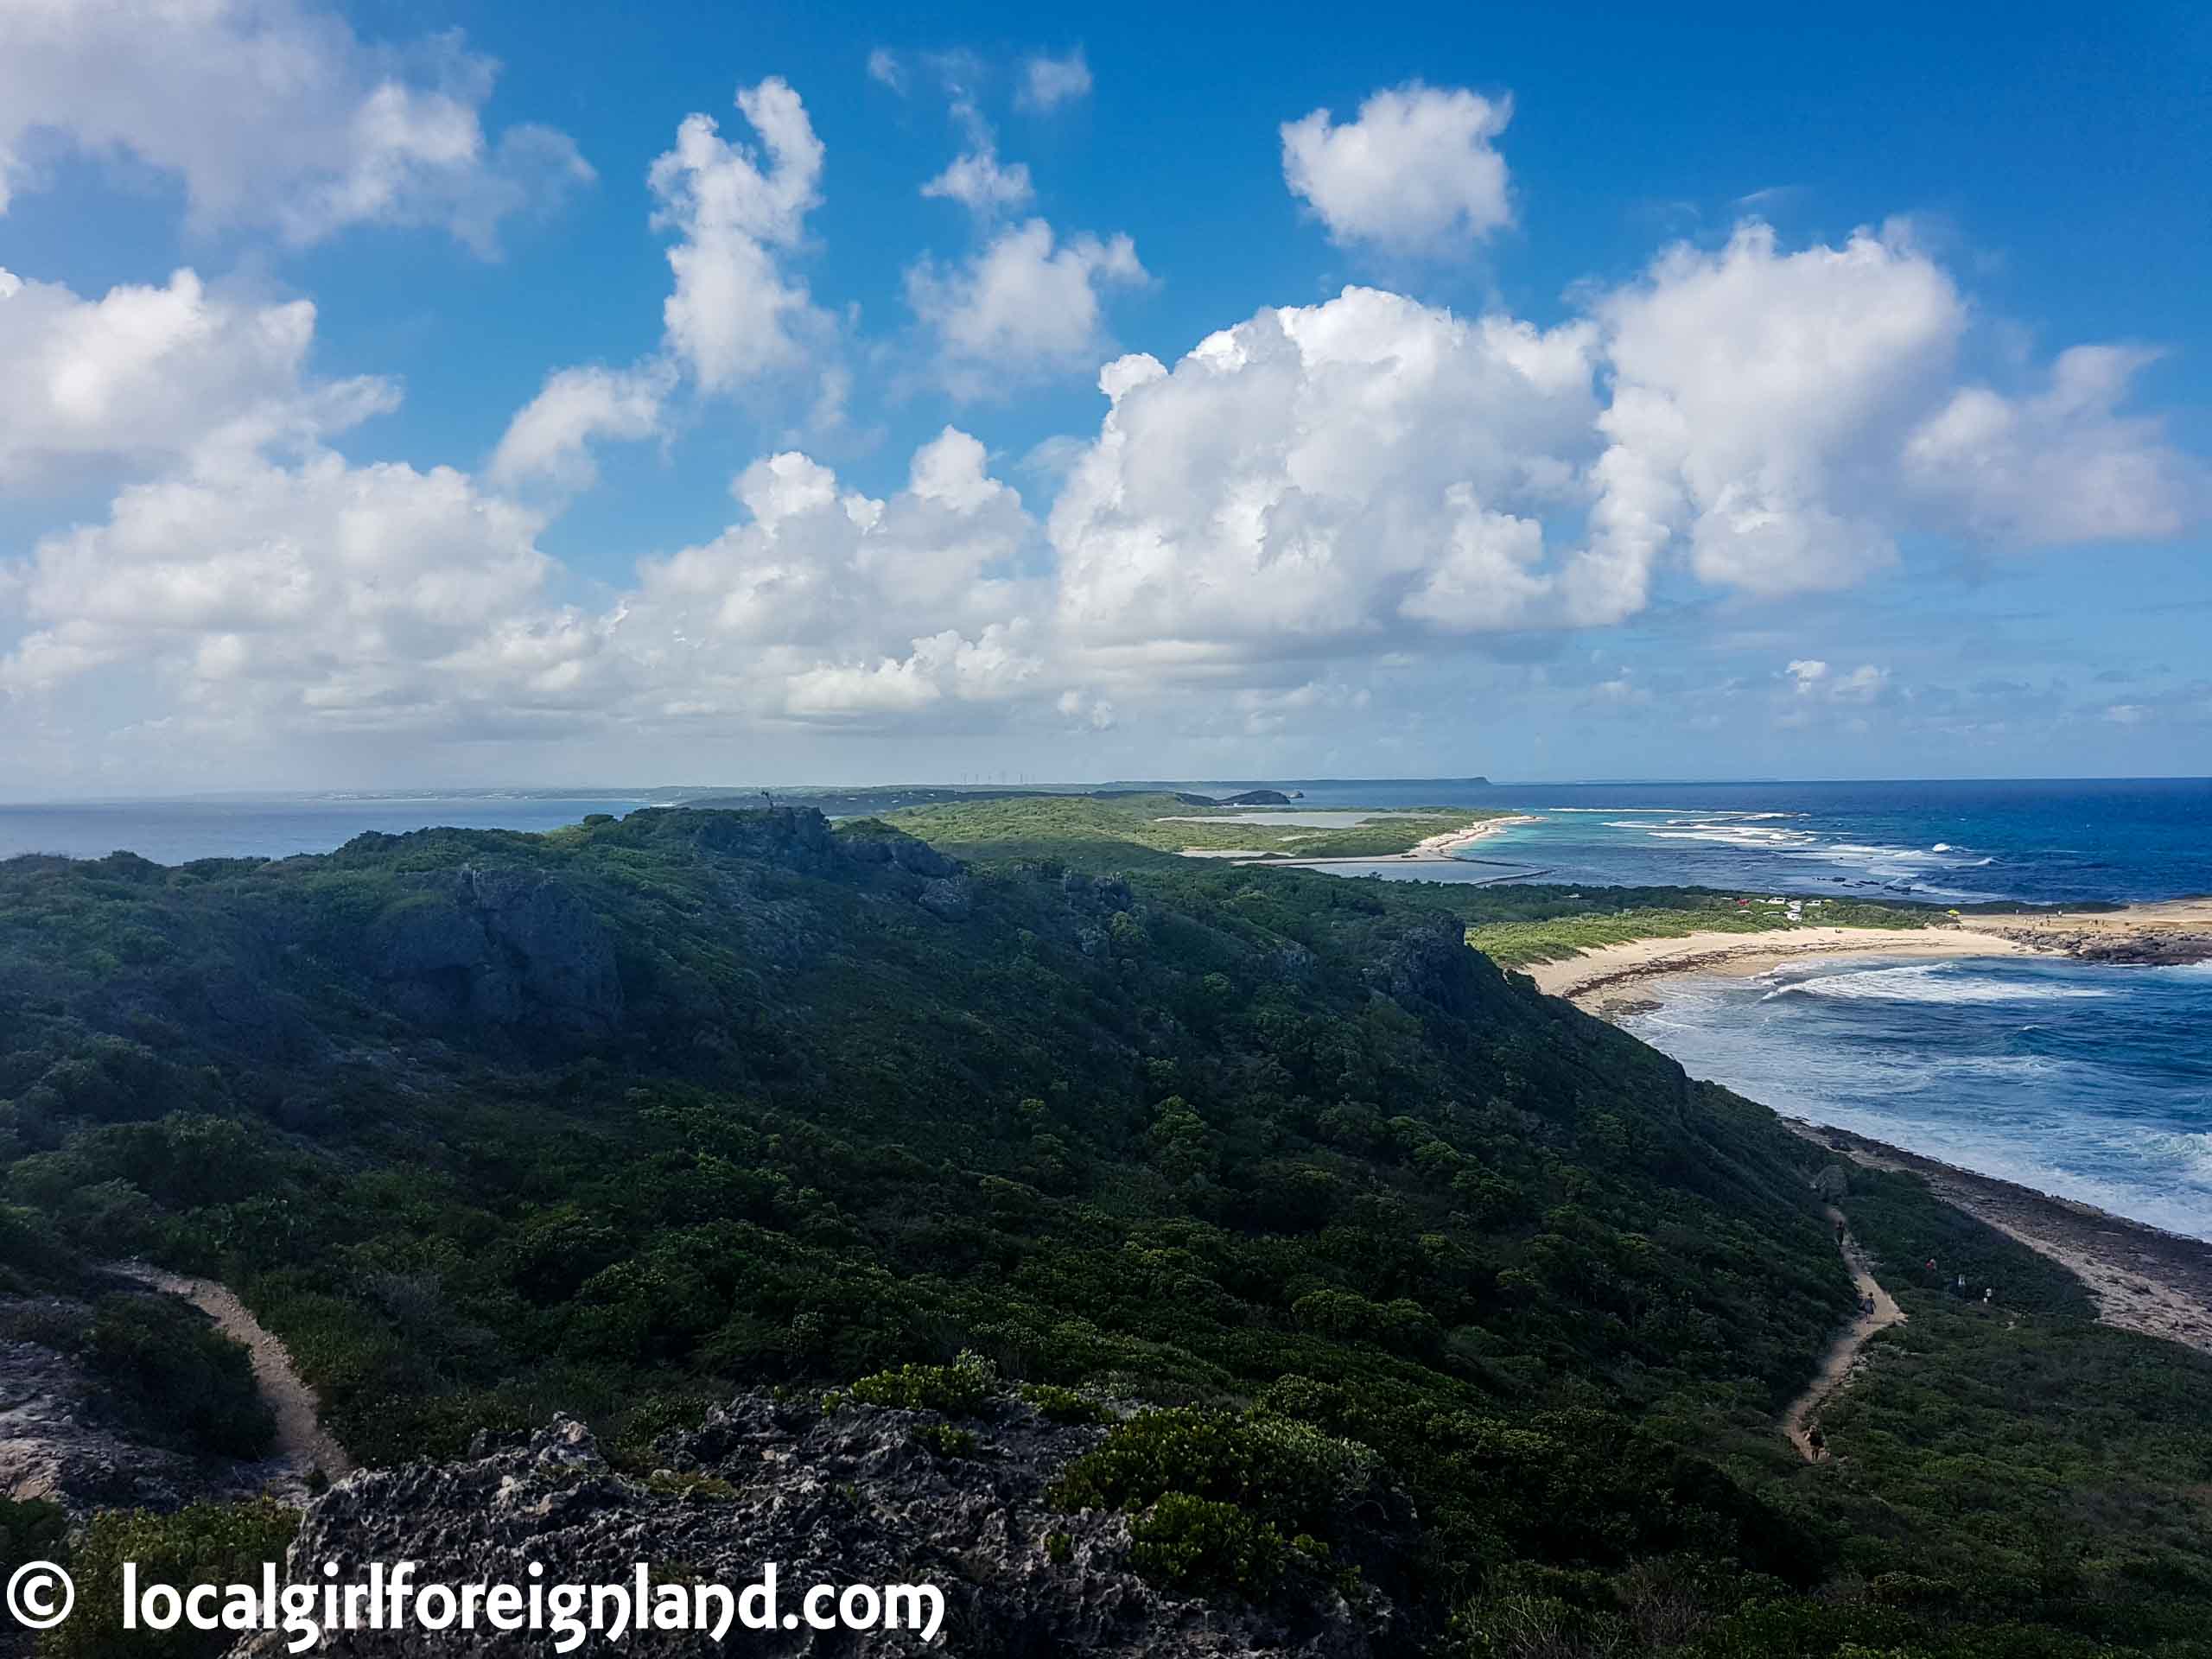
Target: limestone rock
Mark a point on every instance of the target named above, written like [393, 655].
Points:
[850, 1496]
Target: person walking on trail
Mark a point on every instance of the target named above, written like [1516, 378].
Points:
[1960, 1289]
[1817, 1441]
[1987, 1291]
[1838, 1229]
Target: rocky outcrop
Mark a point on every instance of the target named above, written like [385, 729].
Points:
[502, 947]
[855, 1496]
[1429, 961]
[952, 897]
[63, 1436]
[2141, 949]
[55, 1442]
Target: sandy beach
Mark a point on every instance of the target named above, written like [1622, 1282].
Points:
[2143, 1278]
[2178, 931]
[1435, 850]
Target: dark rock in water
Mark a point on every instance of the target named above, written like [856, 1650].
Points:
[1617, 1008]
[1258, 798]
[852, 1497]
[2140, 950]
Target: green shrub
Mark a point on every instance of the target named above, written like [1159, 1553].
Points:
[1281, 1471]
[958, 1389]
[180, 1374]
[32, 1530]
[1200, 1543]
[677, 1483]
[207, 1543]
[1062, 1405]
[946, 1441]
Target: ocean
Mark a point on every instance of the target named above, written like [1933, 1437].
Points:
[177, 832]
[2086, 1080]
[2042, 842]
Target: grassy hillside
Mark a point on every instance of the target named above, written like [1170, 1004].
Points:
[487, 1125]
[1514, 924]
[1541, 931]
[1165, 824]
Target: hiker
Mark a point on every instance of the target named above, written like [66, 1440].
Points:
[1987, 1291]
[1960, 1289]
[1839, 1230]
[1817, 1441]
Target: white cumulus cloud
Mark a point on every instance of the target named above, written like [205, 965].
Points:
[271, 112]
[550, 437]
[2059, 465]
[349, 594]
[1324, 479]
[735, 313]
[1759, 400]
[1418, 172]
[149, 375]
[979, 182]
[1025, 304]
[825, 603]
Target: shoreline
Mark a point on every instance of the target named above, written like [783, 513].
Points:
[2172, 931]
[1431, 849]
[2142, 1277]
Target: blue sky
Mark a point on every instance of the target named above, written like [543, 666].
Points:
[1587, 393]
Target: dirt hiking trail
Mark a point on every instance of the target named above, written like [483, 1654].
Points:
[1835, 1370]
[303, 1443]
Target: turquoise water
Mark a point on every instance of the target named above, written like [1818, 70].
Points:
[2043, 841]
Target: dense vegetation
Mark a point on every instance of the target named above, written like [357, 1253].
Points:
[610, 1120]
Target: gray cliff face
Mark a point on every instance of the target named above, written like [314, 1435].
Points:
[521, 950]
[852, 1497]
[502, 947]
[1430, 962]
